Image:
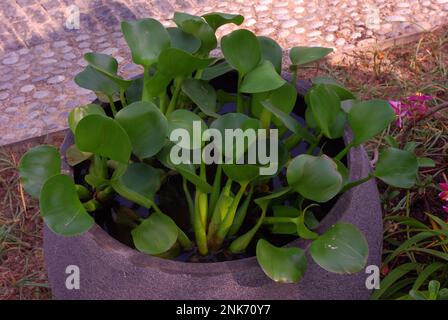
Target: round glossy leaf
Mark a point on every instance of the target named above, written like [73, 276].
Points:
[271, 51]
[185, 63]
[61, 208]
[183, 41]
[139, 183]
[146, 38]
[134, 91]
[36, 166]
[342, 249]
[103, 136]
[315, 178]
[284, 98]
[156, 234]
[218, 69]
[262, 78]
[187, 120]
[202, 94]
[199, 28]
[80, 112]
[398, 168]
[241, 172]
[304, 55]
[236, 121]
[73, 156]
[241, 49]
[337, 87]
[289, 122]
[327, 113]
[368, 118]
[94, 80]
[217, 19]
[108, 66]
[284, 265]
[146, 127]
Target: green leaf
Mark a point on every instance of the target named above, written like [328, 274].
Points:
[304, 55]
[262, 78]
[327, 113]
[202, 94]
[341, 249]
[183, 41]
[241, 49]
[334, 85]
[289, 122]
[288, 227]
[368, 118]
[146, 127]
[217, 19]
[284, 98]
[426, 162]
[80, 112]
[271, 51]
[241, 172]
[139, 183]
[185, 119]
[61, 208]
[108, 66]
[96, 81]
[73, 156]
[218, 69]
[36, 166]
[186, 170]
[134, 91]
[146, 38]
[103, 136]
[284, 265]
[156, 234]
[235, 121]
[315, 178]
[392, 277]
[198, 27]
[184, 66]
[264, 201]
[396, 167]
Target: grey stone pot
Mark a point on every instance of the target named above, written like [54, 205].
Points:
[112, 270]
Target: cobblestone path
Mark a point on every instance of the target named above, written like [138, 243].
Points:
[40, 52]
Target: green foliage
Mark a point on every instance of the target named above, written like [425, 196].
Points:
[127, 149]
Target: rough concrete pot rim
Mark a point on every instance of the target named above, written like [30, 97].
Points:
[104, 240]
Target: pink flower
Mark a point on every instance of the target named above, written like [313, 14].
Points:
[412, 107]
[444, 194]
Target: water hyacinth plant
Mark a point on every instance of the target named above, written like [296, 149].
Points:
[124, 147]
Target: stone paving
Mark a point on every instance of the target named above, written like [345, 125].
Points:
[40, 52]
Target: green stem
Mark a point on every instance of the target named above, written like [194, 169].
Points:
[292, 141]
[122, 99]
[199, 228]
[173, 102]
[240, 244]
[162, 102]
[315, 144]
[241, 213]
[145, 94]
[239, 96]
[294, 76]
[228, 219]
[199, 73]
[216, 189]
[265, 119]
[344, 151]
[353, 184]
[112, 106]
[220, 210]
[183, 239]
[189, 199]
[273, 220]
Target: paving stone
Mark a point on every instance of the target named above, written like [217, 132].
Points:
[36, 49]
